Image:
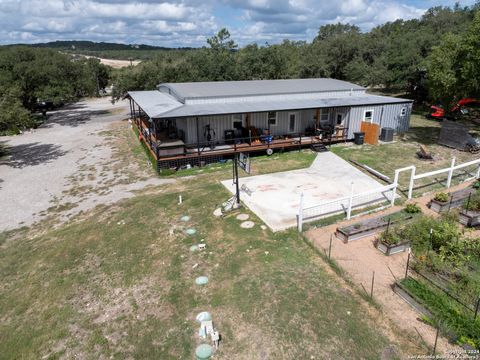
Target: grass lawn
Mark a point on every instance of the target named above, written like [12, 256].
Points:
[260, 164]
[118, 282]
[402, 152]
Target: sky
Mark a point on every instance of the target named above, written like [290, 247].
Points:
[178, 23]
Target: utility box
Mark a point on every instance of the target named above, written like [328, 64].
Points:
[386, 134]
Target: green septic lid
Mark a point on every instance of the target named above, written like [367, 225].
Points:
[203, 352]
[191, 231]
[201, 280]
[185, 218]
[193, 248]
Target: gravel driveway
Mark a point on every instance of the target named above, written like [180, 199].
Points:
[43, 166]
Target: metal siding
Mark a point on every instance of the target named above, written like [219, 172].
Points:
[353, 118]
[390, 117]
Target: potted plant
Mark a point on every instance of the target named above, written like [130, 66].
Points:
[444, 202]
[413, 209]
[392, 241]
[470, 214]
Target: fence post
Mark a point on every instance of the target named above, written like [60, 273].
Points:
[350, 202]
[300, 214]
[450, 173]
[436, 339]
[410, 185]
[476, 309]
[408, 262]
[477, 175]
[373, 282]
[330, 248]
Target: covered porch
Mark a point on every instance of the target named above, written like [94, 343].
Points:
[223, 135]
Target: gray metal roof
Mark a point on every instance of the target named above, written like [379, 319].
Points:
[262, 106]
[154, 103]
[190, 90]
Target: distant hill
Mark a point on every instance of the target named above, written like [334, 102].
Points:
[97, 46]
[106, 50]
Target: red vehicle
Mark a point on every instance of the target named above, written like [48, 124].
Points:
[439, 113]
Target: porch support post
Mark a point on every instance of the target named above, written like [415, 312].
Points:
[198, 136]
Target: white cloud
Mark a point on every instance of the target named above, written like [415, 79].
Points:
[187, 22]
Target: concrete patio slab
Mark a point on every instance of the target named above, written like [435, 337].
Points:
[275, 197]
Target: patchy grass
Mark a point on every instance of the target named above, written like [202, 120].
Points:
[402, 152]
[260, 164]
[121, 284]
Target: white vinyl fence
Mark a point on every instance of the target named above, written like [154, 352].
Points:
[378, 196]
[450, 172]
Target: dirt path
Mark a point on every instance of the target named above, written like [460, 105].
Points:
[70, 164]
[360, 259]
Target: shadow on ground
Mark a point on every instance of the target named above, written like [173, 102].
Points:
[73, 115]
[31, 154]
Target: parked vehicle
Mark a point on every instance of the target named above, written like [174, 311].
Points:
[439, 113]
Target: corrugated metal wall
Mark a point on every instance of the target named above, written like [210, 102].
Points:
[385, 115]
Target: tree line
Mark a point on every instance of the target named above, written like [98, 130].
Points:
[435, 58]
[29, 76]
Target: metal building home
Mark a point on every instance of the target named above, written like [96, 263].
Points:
[202, 122]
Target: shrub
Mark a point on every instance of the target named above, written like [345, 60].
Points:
[476, 185]
[444, 230]
[412, 209]
[474, 202]
[392, 237]
[441, 197]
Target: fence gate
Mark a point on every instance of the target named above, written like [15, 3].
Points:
[371, 131]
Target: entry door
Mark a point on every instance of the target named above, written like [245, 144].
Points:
[340, 119]
[292, 122]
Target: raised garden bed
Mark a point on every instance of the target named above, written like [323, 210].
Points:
[370, 226]
[390, 249]
[469, 218]
[401, 291]
[456, 200]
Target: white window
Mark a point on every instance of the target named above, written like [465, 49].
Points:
[272, 118]
[403, 112]
[324, 116]
[292, 119]
[237, 121]
[368, 116]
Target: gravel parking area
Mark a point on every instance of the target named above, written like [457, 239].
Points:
[66, 165]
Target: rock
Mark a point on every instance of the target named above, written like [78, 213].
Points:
[218, 212]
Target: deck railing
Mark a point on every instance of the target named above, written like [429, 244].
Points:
[249, 144]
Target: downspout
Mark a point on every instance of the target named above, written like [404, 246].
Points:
[381, 117]
[198, 136]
